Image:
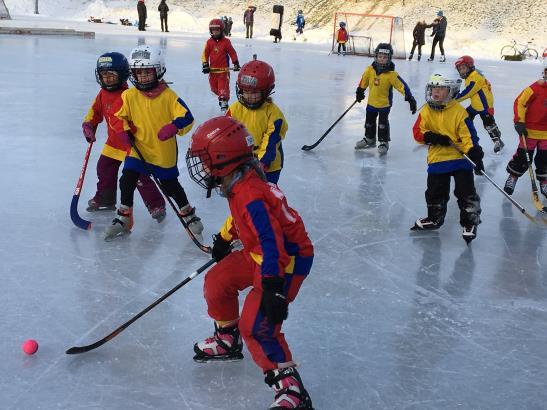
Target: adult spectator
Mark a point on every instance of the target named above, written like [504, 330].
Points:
[419, 38]
[141, 9]
[163, 9]
[439, 31]
[248, 20]
[225, 22]
[229, 26]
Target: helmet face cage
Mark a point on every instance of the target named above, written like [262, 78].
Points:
[112, 62]
[199, 168]
[144, 57]
[439, 81]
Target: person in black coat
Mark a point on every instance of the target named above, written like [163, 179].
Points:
[141, 9]
[163, 9]
[419, 38]
[439, 31]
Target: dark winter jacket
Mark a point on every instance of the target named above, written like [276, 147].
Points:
[419, 33]
[439, 26]
[141, 9]
[248, 16]
[163, 9]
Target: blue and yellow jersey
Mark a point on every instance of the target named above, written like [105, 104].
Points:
[381, 87]
[148, 116]
[479, 90]
[268, 127]
[454, 122]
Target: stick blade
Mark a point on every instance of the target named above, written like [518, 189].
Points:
[76, 219]
[84, 349]
[306, 147]
[537, 203]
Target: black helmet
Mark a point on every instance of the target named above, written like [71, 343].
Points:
[112, 62]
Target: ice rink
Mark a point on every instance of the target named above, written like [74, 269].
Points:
[388, 318]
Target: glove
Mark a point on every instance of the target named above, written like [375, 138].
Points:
[236, 66]
[125, 138]
[205, 68]
[432, 138]
[167, 131]
[221, 247]
[520, 128]
[476, 155]
[412, 102]
[360, 94]
[89, 131]
[274, 304]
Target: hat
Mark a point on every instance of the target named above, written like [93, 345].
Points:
[440, 13]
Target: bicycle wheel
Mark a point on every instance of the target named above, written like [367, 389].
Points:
[508, 51]
[531, 53]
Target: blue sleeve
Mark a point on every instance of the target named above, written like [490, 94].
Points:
[466, 90]
[266, 236]
[408, 93]
[186, 120]
[273, 140]
[472, 131]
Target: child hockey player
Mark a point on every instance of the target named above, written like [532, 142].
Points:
[300, 22]
[443, 124]
[380, 77]
[111, 73]
[277, 256]
[215, 62]
[342, 37]
[479, 91]
[157, 115]
[264, 119]
[530, 120]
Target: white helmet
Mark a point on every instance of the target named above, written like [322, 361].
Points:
[145, 56]
[444, 81]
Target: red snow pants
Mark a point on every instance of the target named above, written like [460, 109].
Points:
[220, 85]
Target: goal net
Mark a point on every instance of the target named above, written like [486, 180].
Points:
[4, 13]
[366, 31]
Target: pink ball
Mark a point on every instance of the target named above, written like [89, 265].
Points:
[30, 346]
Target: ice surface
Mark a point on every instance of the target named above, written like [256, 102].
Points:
[387, 319]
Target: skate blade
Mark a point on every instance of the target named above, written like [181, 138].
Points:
[110, 238]
[210, 359]
[468, 239]
[100, 208]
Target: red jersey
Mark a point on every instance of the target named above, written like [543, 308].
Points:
[530, 107]
[216, 53]
[341, 35]
[271, 231]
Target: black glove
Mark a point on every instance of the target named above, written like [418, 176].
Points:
[236, 66]
[360, 94]
[520, 128]
[274, 304]
[432, 138]
[221, 247]
[412, 102]
[476, 155]
[205, 68]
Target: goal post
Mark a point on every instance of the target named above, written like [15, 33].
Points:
[366, 31]
[4, 12]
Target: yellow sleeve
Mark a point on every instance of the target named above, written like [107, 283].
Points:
[227, 231]
[124, 113]
[521, 104]
[204, 56]
[476, 82]
[364, 79]
[464, 134]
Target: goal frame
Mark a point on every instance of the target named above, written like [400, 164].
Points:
[7, 16]
[342, 16]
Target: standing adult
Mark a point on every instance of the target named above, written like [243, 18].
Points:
[248, 20]
[141, 9]
[163, 9]
[419, 38]
[439, 31]
[229, 26]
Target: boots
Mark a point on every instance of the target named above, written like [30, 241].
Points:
[121, 225]
[366, 143]
[289, 389]
[225, 345]
[194, 222]
[383, 146]
[510, 184]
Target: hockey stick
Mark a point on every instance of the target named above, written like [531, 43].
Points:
[76, 218]
[316, 143]
[535, 197]
[83, 349]
[517, 205]
[204, 248]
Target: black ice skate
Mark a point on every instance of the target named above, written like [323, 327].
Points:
[425, 224]
[365, 143]
[442, 59]
[510, 184]
[94, 206]
[498, 145]
[383, 147]
[289, 389]
[224, 346]
[469, 233]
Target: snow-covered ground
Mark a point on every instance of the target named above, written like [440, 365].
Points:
[388, 319]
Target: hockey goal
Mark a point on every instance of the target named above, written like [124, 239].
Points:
[366, 31]
[4, 13]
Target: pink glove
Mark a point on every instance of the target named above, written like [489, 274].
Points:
[89, 131]
[124, 138]
[167, 131]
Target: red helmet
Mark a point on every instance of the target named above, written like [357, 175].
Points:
[216, 24]
[467, 61]
[255, 76]
[218, 146]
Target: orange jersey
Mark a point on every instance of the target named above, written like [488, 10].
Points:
[217, 53]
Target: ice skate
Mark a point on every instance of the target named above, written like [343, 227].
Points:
[223, 105]
[543, 188]
[510, 184]
[158, 213]
[289, 389]
[419, 57]
[224, 346]
[498, 145]
[121, 225]
[430, 59]
[365, 143]
[425, 224]
[469, 233]
[94, 206]
[383, 147]
[410, 57]
[194, 222]
[442, 59]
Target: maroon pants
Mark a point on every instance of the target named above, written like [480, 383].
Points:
[107, 173]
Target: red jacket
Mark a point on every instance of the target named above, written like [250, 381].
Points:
[530, 107]
[342, 35]
[270, 230]
[216, 53]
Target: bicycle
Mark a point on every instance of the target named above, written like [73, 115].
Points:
[522, 50]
